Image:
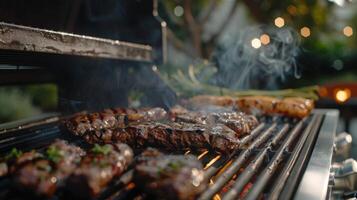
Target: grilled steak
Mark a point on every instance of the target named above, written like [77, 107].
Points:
[171, 136]
[44, 176]
[169, 176]
[111, 118]
[241, 123]
[97, 169]
[12, 161]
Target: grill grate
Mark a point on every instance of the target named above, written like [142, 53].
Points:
[276, 148]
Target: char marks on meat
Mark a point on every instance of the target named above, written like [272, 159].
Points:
[169, 176]
[174, 136]
[43, 176]
[83, 123]
[240, 122]
[97, 169]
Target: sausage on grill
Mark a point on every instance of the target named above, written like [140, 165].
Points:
[261, 105]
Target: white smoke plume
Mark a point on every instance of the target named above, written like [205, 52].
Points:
[241, 66]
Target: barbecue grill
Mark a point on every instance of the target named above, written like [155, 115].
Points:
[281, 159]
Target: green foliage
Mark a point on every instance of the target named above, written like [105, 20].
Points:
[18, 102]
[43, 96]
[14, 104]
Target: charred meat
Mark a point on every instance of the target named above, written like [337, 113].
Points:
[172, 136]
[291, 107]
[45, 175]
[211, 100]
[15, 159]
[169, 176]
[111, 118]
[258, 105]
[240, 122]
[97, 169]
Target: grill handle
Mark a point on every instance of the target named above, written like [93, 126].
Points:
[342, 145]
[344, 175]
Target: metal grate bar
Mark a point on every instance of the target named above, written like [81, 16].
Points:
[288, 171]
[236, 165]
[253, 167]
[265, 176]
[223, 161]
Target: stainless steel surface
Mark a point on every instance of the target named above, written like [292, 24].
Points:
[315, 181]
[345, 176]
[28, 39]
[343, 143]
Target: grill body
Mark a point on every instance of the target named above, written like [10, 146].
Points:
[280, 159]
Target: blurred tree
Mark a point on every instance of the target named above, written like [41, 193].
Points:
[187, 20]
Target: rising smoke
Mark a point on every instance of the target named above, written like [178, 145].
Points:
[241, 66]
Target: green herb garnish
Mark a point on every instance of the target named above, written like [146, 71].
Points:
[105, 149]
[14, 153]
[175, 165]
[54, 154]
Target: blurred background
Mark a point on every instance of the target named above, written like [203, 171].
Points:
[219, 45]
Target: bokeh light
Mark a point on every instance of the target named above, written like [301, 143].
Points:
[292, 10]
[256, 43]
[305, 32]
[178, 11]
[265, 39]
[342, 95]
[279, 22]
[348, 31]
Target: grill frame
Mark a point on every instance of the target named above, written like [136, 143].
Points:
[317, 172]
[324, 136]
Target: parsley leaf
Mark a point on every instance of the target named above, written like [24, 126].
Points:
[14, 153]
[105, 149]
[54, 154]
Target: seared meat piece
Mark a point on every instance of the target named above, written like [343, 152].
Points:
[172, 136]
[291, 107]
[169, 176]
[79, 124]
[240, 122]
[44, 176]
[295, 107]
[143, 114]
[112, 118]
[211, 100]
[257, 104]
[12, 161]
[97, 169]
[3, 169]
